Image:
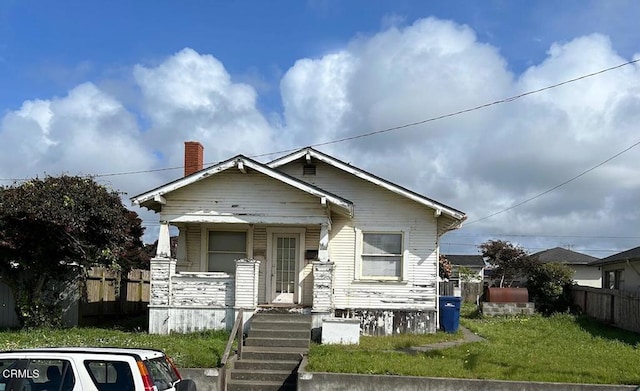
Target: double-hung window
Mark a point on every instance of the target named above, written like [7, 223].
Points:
[225, 247]
[382, 255]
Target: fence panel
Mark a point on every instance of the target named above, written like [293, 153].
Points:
[108, 293]
[619, 308]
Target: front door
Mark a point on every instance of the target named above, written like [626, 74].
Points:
[285, 260]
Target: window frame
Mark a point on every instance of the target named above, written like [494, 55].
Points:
[206, 251]
[618, 279]
[360, 235]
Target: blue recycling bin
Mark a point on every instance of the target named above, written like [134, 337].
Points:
[450, 313]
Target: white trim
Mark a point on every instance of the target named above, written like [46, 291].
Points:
[305, 152]
[269, 264]
[204, 241]
[243, 163]
[404, 269]
[246, 219]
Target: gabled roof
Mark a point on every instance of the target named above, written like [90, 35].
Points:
[153, 199]
[465, 260]
[562, 255]
[310, 153]
[628, 255]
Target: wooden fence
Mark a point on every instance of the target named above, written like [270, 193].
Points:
[618, 308]
[110, 293]
[469, 291]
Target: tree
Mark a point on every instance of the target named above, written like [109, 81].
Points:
[509, 261]
[53, 228]
[548, 285]
[445, 267]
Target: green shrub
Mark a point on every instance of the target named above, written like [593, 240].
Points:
[548, 285]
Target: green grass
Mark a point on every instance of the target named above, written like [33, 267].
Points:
[195, 350]
[562, 348]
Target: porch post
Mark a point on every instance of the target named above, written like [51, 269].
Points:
[323, 286]
[162, 271]
[164, 241]
[246, 284]
[323, 248]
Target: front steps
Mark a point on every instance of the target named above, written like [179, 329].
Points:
[272, 352]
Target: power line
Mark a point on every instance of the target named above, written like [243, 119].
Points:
[529, 248]
[394, 128]
[547, 236]
[554, 187]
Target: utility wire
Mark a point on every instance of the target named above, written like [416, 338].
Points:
[554, 187]
[394, 128]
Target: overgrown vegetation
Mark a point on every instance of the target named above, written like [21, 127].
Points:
[51, 229]
[558, 348]
[548, 283]
[195, 350]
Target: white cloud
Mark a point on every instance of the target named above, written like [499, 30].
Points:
[479, 162]
[192, 97]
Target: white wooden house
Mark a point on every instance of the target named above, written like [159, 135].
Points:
[306, 231]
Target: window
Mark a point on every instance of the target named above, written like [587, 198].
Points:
[382, 255]
[224, 249]
[613, 279]
[27, 375]
[110, 375]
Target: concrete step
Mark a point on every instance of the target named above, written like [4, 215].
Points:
[280, 342]
[276, 365]
[263, 375]
[250, 385]
[279, 325]
[280, 317]
[284, 334]
[273, 353]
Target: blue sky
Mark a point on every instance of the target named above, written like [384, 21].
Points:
[254, 77]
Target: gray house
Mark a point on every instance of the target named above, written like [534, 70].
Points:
[583, 272]
[473, 263]
[620, 271]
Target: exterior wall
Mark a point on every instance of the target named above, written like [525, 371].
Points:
[165, 320]
[232, 193]
[377, 208]
[192, 264]
[631, 275]
[587, 276]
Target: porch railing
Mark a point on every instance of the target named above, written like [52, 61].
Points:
[238, 332]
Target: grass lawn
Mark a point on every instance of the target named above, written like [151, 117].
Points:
[196, 350]
[561, 348]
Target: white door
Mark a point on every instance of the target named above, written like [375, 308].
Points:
[285, 257]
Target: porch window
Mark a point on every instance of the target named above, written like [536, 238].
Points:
[381, 255]
[613, 279]
[224, 249]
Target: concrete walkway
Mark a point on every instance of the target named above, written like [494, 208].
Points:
[468, 337]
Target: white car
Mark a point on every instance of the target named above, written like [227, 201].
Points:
[89, 369]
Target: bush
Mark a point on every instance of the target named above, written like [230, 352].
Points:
[548, 285]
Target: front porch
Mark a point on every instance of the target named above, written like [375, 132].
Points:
[185, 302]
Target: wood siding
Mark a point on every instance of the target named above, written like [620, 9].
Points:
[202, 290]
[233, 193]
[377, 208]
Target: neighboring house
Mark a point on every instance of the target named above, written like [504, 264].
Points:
[583, 273]
[474, 264]
[620, 271]
[306, 231]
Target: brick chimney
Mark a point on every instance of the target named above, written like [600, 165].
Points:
[193, 157]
